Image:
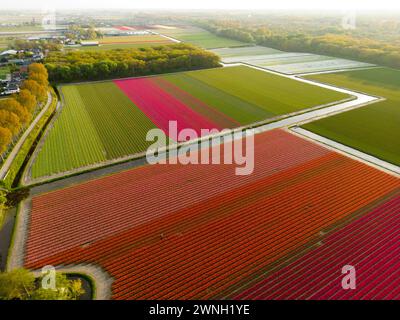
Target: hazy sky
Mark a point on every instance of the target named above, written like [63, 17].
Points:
[386, 5]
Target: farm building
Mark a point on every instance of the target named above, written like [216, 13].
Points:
[89, 43]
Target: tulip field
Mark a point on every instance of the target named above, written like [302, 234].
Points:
[201, 232]
[371, 244]
[221, 158]
[109, 120]
[98, 122]
[199, 37]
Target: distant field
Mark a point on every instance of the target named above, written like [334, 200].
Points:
[21, 28]
[102, 121]
[286, 62]
[126, 42]
[320, 63]
[4, 42]
[373, 129]
[3, 72]
[200, 37]
[134, 40]
[123, 28]
[290, 59]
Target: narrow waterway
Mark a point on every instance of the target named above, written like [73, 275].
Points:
[5, 236]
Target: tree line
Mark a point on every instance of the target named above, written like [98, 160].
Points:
[77, 32]
[16, 112]
[338, 45]
[42, 45]
[118, 63]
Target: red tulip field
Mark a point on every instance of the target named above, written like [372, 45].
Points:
[371, 244]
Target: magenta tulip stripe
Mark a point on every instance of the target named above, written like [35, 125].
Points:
[196, 104]
[161, 107]
[371, 244]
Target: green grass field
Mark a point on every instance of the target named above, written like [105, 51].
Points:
[374, 129]
[200, 37]
[98, 122]
[4, 42]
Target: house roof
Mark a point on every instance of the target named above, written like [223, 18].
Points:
[89, 43]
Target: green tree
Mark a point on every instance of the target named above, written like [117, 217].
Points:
[65, 290]
[36, 89]
[37, 68]
[16, 284]
[87, 65]
[20, 284]
[40, 78]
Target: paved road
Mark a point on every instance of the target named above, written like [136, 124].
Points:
[7, 164]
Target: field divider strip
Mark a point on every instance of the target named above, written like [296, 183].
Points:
[166, 37]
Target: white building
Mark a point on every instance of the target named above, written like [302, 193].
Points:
[8, 53]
